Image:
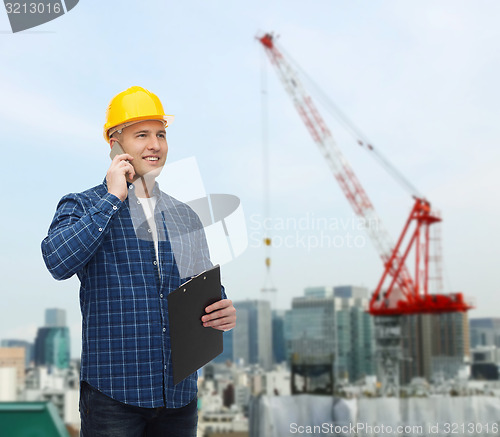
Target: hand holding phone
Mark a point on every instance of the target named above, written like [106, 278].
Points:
[119, 172]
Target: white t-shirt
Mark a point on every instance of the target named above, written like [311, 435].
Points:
[148, 205]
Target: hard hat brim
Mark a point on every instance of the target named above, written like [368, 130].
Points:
[167, 119]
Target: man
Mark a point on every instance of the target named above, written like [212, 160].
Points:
[130, 245]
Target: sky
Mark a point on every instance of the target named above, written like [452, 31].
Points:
[419, 78]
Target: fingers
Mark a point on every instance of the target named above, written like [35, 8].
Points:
[221, 325]
[224, 328]
[222, 315]
[128, 169]
[229, 312]
[122, 162]
[223, 303]
[123, 157]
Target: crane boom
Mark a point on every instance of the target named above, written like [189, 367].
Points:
[404, 295]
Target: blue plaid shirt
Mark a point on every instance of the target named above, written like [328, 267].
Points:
[126, 350]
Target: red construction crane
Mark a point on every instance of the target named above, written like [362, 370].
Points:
[398, 292]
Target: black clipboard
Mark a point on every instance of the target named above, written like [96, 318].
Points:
[193, 345]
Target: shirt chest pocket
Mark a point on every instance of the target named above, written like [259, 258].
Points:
[125, 252]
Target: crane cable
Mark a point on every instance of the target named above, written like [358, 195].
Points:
[268, 282]
[352, 129]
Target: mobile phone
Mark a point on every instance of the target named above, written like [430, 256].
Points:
[116, 150]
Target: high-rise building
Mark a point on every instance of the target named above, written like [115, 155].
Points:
[330, 325]
[55, 317]
[52, 347]
[28, 348]
[485, 347]
[485, 332]
[361, 361]
[14, 357]
[227, 353]
[434, 345]
[241, 336]
[279, 345]
[416, 347]
[252, 336]
[348, 291]
[52, 343]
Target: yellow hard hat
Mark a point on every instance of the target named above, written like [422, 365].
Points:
[131, 106]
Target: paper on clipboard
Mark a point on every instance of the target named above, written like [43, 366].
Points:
[193, 345]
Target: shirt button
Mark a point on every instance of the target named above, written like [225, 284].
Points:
[164, 329]
[115, 207]
[130, 187]
[154, 262]
[161, 295]
[149, 230]
[100, 229]
[165, 367]
[138, 202]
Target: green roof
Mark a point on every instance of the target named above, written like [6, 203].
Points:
[31, 419]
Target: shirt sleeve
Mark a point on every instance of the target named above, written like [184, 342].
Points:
[76, 232]
[223, 292]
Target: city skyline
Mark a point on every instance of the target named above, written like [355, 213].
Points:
[478, 326]
[418, 78]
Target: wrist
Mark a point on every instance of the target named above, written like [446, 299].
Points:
[120, 195]
[116, 198]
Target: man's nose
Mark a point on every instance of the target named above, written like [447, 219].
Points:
[154, 144]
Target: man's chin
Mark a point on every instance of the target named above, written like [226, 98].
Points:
[152, 174]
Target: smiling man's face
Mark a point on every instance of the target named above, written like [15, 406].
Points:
[146, 142]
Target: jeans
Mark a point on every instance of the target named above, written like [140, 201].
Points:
[102, 416]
